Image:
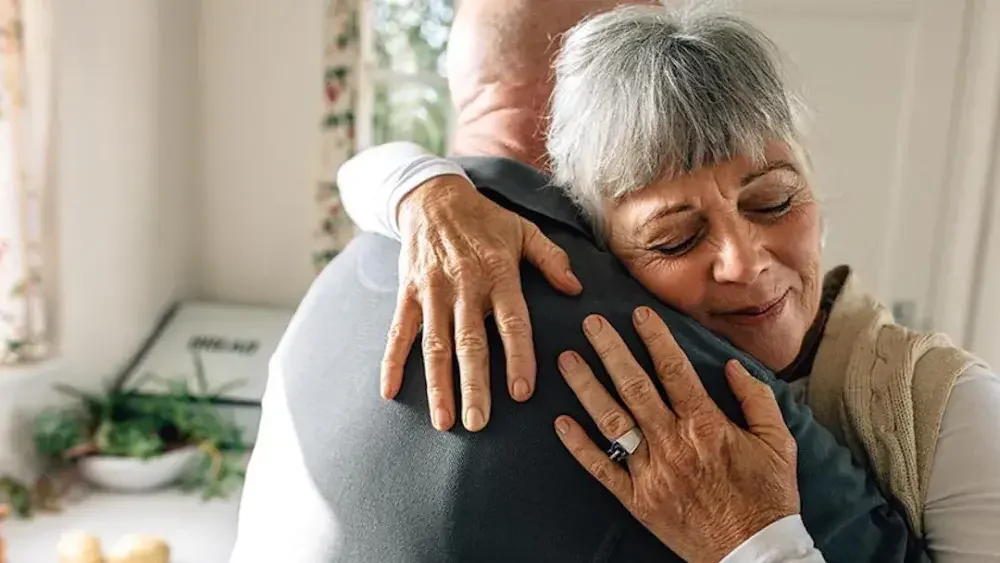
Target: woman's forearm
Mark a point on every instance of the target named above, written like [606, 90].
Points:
[374, 181]
[962, 511]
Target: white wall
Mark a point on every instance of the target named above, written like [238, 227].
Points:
[126, 134]
[125, 87]
[261, 99]
[187, 138]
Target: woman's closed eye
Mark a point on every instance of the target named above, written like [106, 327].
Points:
[677, 248]
[775, 209]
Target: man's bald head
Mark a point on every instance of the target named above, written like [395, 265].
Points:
[500, 56]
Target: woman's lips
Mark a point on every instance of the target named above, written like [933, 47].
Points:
[757, 315]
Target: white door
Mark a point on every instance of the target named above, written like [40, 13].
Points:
[880, 76]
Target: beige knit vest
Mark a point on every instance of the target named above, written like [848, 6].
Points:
[882, 390]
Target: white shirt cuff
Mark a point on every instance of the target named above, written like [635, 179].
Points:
[374, 181]
[418, 171]
[783, 541]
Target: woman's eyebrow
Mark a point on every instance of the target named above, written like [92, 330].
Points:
[771, 167]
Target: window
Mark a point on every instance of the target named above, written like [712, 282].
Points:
[403, 90]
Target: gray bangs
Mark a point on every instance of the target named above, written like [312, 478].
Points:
[644, 93]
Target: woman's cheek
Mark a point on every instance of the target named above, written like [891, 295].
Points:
[677, 281]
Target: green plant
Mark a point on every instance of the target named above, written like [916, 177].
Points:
[121, 421]
[17, 495]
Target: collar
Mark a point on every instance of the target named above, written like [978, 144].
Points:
[524, 188]
[833, 285]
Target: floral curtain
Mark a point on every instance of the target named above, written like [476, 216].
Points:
[25, 120]
[342, 59]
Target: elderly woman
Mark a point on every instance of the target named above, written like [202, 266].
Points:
[677, 138]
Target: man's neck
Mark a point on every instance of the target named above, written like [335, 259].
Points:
[516, 134]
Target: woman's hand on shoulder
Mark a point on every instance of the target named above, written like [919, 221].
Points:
[460, 262]
[696, 480]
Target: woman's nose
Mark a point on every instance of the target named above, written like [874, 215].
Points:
[741, 257]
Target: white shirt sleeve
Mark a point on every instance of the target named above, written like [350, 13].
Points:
[374, 181]
[281, 510]
[962, 511]
[784, 541]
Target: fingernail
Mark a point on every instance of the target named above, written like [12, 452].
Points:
[592, 324]
[521, 390]
[442, 420]
[474, 419]
[387, 391]
[561, 425]
[573, 279]
[641, 314]
[568, 359]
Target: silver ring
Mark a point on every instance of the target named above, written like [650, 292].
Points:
[625, 445]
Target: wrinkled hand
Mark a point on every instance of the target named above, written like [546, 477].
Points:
[700, 483]
[460, 260]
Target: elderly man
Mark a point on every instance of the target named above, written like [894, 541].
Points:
[339, 475]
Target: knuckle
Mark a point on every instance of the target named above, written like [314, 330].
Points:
[706, 427]
[671, 366]
[437, 389]
[470, 340]
[435, 345]
[470, 288]
[550, 252]
[462, 269]
[707, 416]
[391, 365]
[614, 423]
[472, 386]
[513, 325]
[599, 469]
[638, 389]
[410, 288]
[496, 265]
[397, 331]
[655, 337]
[609, 347]
[790, 449]
[531, 232]
[765, 390]
[434, 280]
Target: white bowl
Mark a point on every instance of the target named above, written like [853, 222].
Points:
[137, 475]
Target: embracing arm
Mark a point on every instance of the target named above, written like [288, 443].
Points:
[708, 489]
[459, 261]
[962, 512]
[375, 181]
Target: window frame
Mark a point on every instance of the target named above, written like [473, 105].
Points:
[371, 74]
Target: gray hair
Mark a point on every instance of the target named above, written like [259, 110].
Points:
[649, 92]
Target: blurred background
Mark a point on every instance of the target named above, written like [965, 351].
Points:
[167, 166]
